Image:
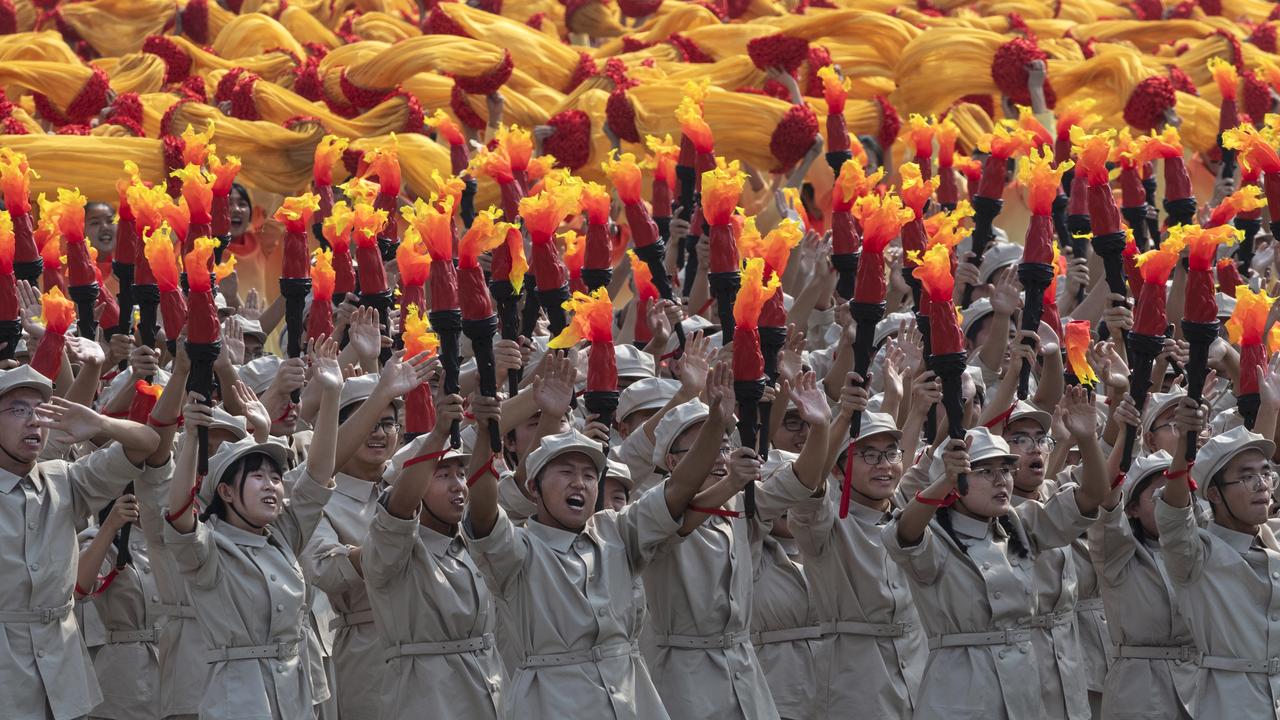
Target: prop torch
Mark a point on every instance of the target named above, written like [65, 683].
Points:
[1092, 151]
[664, 179]
[1228, 277]
[122, 259]
[1146, 340]
[1245, 328]
[328, 153]
[58, 312]
[1043, 141]
[1256, 151]
[835, 90]
[1076, 339]
[366, 223]
[1071, 206]
[15, 177]
[1179, 203]
[947, 356]
[597, 259]
[51, 256]
[295, 271]
[948, 193]
[1200, 317]
[384, 163]
[1000, 145]
[915, 193]
[1133, 196]
[542, 215]
[700, 159]
[1249, 222]
[413, 262]
[179, 218]
[1228, 82]
[320, 317]
[593, 322]
[419, 409]
[624, 173]
[163, 260]
[224, 176]
[721, 189]
[203, 339]
[646, 294]
[10, 308]
[434, 225]
[197, 192]
[942, 230]
[459, 160]
[575, 252]
[516, 145]
[68, 215]
[146, 203]
[479, 322]
[748, 360]
[846, 237]
[336, 229]
[1036, 270]
[507, 279]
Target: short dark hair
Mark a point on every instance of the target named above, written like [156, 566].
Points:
[235, 475]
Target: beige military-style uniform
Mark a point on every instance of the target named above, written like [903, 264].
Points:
[1055, 631]
[572, 597]
[45, 670]
[636, 452]
[975, 602]
[357, 647]
[435, 617]
[1227, 585]
[183, 670]
[128, 663]
[872, 654]
[784, 625]
[699, 591]
[1153, 675]
[1091, 619]
[249, 593]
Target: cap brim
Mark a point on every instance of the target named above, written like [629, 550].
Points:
[895, 434]
[1262, 445]
[45, 391]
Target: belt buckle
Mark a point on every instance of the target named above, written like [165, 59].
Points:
[47, 615]
[597, 653]
[901, 628]
[1273, 666]
[287, 650]
[1186, 653]
[1011, 636]
[486, 641]
[728, 640]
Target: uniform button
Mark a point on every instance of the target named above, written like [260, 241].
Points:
[146, 570]
[986, 566]
[1276, 575]
[613, 689]
[155, 598]
[34, 566]
[280, 608]
[39, 653]
[31, 526]
[1003, 653]
[273, 578]
[1026, 590]
[1275, 618]
[893, 585]
[996, 594]
[1022, 648]
[602, 612]
[280, 669]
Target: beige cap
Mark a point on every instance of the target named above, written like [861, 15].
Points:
[252, 327]
[889, 325]
[633, 362]
[620, 472]
[977, 310]
[1158, 403]
[691, 324]
[1023, 410]
[554, 446]
[877, 423]
[414, 448]
[229, 453]
[1143, 467]
[1215, 454]
[25, 376]
[359, 389]
[672, 424]
[646, 394]
[235, 424]
[998, 255]
[982, 446]
[259, 373]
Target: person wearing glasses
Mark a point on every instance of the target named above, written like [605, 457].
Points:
[1064, 579]
[368, 437]
[872, 649]
[1226, 576]
[971, 563]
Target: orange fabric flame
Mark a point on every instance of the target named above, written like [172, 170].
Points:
[1202, 243]
[721, 190]
[418, 336]
[1246, 199]
[853, 183]
[58, 311]
[1273, 339]
[450, 186]
[665, 155]
[1004, 142]
[337, 227]
[934, 273]
[366, 223]
[774, 248]
[50, 244]
[575, 252]
[195, 145]
[177, 216]
[1027, 121]
[328, 153]
[485, 234]
[223, 270]
[945, 229]
[7, 242]
[1078, 339]
[835, 90]
[1042, 179]
[517, 143]
[323, 278]
[493, 164]
[1257, 151]
[643, 276]
[694, 127]
[296, 211]
[445, 127]
[1155, 265]
[197, 190]
[360, 190]
[147, 204]
[519, 263]
[1077, 114]
[68, 214]
[753, 293]
[1092, 151]
[224, 173]
[916, 191]
[624, 173]
[592, 320]
[946, 136]
[142, 387]
[543, 213]
[1226, 77]
[15, 178]
[1249, 319]
[1127, 149]
[414, 260]
[197, 264]
[596, 202]
[920, 132]
[434, 226]
[1163, 146]
[384, 162]
[882, 218]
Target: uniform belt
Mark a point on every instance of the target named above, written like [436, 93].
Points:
[1088, 605]
[849, 627]
[277, 651]
[42, 616]
[578, 657]
[362, 617]
[1011, 636]
[1231, 664]
[1184, 653]
[115, 637]
[704, 642]
[449, 647]
[175, 611]
[767, 637]
[1049, 620]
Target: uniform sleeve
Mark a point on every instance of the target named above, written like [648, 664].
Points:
[1181, 541]
[1111, 544]
[151, 488]
[637, 453]
[914, 479]
[97, 478]
[196, 554]
[501, 554]
[327, 560]
[388, 548]
[924, 561]
[305, 507]
[645, 525]
[811, 518]
[512, 500]
[779, 492]
[1054, 523]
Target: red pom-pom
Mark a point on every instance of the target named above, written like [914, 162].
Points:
[734, 9]
[689, 50]
[1182, 10]
[177, 64]
[819, 57]
[616, 71]
[126, 111]
[173, 147]
[638, 8]
[440, 22]
[631, 43]
[928, 8]
[778, 51]
[1264, 36]
[1146, 107]
[415, 121]
[1211, 7]
[490, 81]
[12, 126]
[307, 81]
[1274, 14]
[1233, 43]
[227, 85]
[358, 96]
[620, 116]
[195, 21]
[1009, 70]
[243, 105]
[1182, 82]
[774, 89]
[570, 144]
[193, 87]
[166, 120]
[1255, 101]
[890, 122]
[1148, 9]
[535, 20]
[793, 136]
[458, 104]
[586, 68]
[73, 130]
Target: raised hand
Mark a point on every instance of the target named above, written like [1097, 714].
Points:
[365, 335]
[32, 308]
[955, 459]
[252, 308]
[195, 413]
[1117, 316]
[85, 351]
[695, 364]
[853, 395]
[1080, 415]
[123, 511]
[1126, 413]
[1112, 369]
[1269, 382]
[232, 341]
[144, 362]
[790, 362]
[118, 348]
[744, 467]
[323, 353]
[810, 401]
[553, 388]
[254, 411]
[507, 356]
[1006, 295]
[77, 422]
[926, 392]
[721, 399]
[400, 376]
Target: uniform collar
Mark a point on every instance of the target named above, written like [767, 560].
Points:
[970, 527]
[559, 540]
[1240, 542]
[9, 481]
[870, 515]
[238, 536]
[361, 491]
[437, 543]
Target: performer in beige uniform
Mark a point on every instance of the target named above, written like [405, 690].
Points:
[44, 668]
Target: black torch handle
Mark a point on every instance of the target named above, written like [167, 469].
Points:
[1143, 350]
[1199, 336]
[1229, 164]
[448, 327]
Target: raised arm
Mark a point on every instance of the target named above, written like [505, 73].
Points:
[182, 488]
[1187, 418]
[322, 458]
[396, 380]
[168, 410]
[123, 512]
[411, 483]
[688, 476]
[916, 516]
[553, 393]
[694, 366]
[811, 467]
[81, 423]
[1080, 415]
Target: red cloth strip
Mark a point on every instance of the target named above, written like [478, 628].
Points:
[424, 458]
[486, 468]
[999, 418]
[946, 501]
[190, 505]
[718, 512]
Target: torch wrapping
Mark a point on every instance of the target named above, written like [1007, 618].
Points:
[200, 380]
[448, 326]
[295, 291]
[509, 320]
[1143, 350]
[1035, 278]
[85, 296]
[866, 315]
[985, 211]
[481, 333]
[748, 393]
[1200, 336]
[1244, 253]
[771, 341]
[603, 404]
[949, 369]
[724, 288]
